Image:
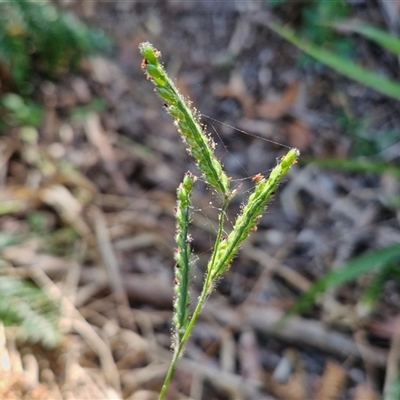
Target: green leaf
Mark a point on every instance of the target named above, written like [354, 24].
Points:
[375, 288]
[25, 305]
[359, 165]
[36, 36]
[97, 105]
[22, 110]
[342, 65]
[347, 273]
[381, 37]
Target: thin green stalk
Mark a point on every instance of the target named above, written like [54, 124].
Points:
[206, 291]
[221, 218]
[178, 351]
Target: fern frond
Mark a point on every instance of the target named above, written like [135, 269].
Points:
[56, 39]
[27, 306]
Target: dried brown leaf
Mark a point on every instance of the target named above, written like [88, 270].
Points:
[294, 389]
[275, 109]
[331, 382]
[237, 89]
[299, 134]
[364, 392]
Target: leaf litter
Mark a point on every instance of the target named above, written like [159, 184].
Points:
[103, 185]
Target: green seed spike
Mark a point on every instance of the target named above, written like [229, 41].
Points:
[182, 258]
[187, 122]
[251, 212]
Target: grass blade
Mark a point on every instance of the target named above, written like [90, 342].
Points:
[381, 37]
[362, 165]
[342, 65]
[25, 305]
[347, 273]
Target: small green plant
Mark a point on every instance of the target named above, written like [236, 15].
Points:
[21, 111]
[316, 15]
[201, 147]
[28, 307]
[312, 23]
[38, 39]
[35, 35]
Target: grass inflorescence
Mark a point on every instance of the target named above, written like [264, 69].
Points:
[199, 144]
[201, 147]
[182, 256]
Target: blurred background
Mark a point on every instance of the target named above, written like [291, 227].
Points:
[89, 166]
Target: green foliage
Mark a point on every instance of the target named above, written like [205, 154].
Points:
[382, 38]
[274, 3]
[37, 35]
[384, 263]
[359, 165]
[374, 290]
[21, 111]
[341, 64]
[9, 239]
[366, 141]
[315, 16]
[348, 273]
[393, 391]
[37, 222]
[37, 38]
[394, 202]
[318, 38]
[80, 113]
[25, 305]
[313, 24]
[60, 242]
